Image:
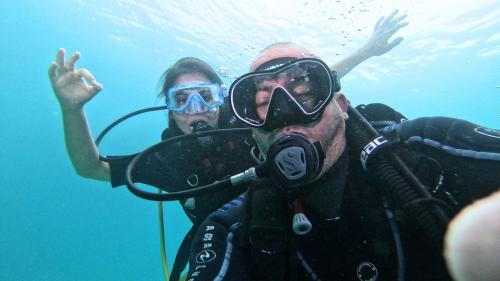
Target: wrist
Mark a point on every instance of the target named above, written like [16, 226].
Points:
[71, 109]
[365, 52]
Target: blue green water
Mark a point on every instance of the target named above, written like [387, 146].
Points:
[55, 225]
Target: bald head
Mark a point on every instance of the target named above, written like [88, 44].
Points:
[281, 50]
[472, 242]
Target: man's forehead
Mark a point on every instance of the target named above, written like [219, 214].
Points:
[291, 51]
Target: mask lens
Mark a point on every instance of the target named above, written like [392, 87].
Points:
[243, 100]
[307, 82]
[180, 97]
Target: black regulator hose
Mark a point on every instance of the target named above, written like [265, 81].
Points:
[400, 183]
[120, 120]
[154, 148]
[215, 186]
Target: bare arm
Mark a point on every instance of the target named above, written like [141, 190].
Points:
[73, 88]
[377, 45]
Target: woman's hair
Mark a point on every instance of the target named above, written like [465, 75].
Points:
[187, 65]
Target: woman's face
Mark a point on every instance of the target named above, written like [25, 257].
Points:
[184, 121]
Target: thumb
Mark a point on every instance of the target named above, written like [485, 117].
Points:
[394, 43]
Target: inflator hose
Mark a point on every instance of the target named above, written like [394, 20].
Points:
[398, 180]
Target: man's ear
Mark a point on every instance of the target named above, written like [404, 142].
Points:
[342, 102]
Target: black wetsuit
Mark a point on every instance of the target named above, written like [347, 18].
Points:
[458, 161]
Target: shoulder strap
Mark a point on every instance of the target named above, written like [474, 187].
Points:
[182, 256]
[380, 115]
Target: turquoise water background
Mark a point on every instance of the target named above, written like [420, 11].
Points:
[55, 225]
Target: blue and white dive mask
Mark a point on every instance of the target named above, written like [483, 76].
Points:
[195, 98]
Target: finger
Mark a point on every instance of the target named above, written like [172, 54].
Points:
[60, 57]
[397, 27]
[85, 73]
[94, 88]
[70, 63]
[378, 23]
[400, 18]
[89, 78]
[395, 21]
[52, 71]
[394, 43]
[389, 19]
[392, 15]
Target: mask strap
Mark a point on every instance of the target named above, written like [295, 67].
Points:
[274, 63]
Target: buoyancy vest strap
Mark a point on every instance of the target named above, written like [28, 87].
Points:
[466, 153]
[452, 136]
[182, 256]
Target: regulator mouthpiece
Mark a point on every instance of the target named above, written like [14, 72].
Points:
[201, 126]
[295, 160]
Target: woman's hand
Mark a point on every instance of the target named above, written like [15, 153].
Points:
[73, 87]
[379, 44]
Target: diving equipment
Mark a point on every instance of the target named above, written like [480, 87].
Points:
[194, 98]
[294, 158]
[293, 161]
[201, 126]
[301, 224]
[283, 94]
[177, 166]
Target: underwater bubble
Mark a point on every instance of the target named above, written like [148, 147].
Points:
[223, 71]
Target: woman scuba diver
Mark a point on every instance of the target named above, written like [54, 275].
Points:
[193, 95]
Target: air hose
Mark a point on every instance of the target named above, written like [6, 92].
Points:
[163, 250]
[399, 182]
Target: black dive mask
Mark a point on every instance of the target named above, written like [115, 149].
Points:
[293, 160]
[296, 92]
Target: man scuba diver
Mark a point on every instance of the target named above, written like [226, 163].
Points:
[335, 200]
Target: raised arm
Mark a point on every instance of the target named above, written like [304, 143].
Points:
[378, 43]
[73, 89]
